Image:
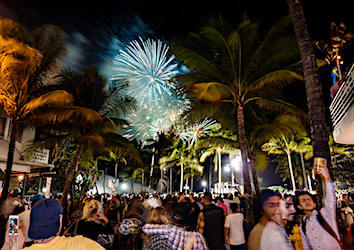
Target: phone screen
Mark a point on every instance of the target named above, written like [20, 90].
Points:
[13, 224]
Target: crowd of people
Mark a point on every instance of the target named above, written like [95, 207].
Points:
[185, 221]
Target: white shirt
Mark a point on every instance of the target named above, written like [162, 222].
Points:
[234, 221]
[274, 237]
[227, 203]
[317, 237]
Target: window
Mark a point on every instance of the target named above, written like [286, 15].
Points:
[4, 127]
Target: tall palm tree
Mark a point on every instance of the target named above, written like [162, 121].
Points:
[88, 89]
[315, 103]
[24, 73]
[282, 145]
[218, 144]
[239, 67]
[183, 156]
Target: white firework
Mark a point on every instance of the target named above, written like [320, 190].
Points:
[191, 133]
[146, 67]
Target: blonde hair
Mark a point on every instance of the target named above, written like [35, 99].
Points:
[90, 209]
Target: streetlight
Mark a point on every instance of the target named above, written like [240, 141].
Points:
[204, 184]
[124, 186]
[227, 168]
[236, 163]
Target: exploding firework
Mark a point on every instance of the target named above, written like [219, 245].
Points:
[146, 67]
[191, 133]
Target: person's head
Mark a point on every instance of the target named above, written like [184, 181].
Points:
[289, 207]
[157, 216]
[181, 214]
[45, 219]
[135, 209]
[305, 201]
[219, 200]
[235, 194]
[270, 201]
[91, 210]
[235, 207]
[206, 199]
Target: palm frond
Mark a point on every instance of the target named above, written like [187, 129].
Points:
[211, 91]
[53, 98]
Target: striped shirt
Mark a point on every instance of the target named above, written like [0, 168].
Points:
[176, 236]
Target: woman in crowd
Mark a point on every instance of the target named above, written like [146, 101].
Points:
[95, 225]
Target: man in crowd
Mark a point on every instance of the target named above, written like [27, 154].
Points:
[319, 228]
[234, 234]
[274, 235]
[45, 226]
[211, 223]
[270, 202]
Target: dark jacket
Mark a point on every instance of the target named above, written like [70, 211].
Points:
[213, 230]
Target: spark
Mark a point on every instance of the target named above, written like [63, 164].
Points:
[148, 70]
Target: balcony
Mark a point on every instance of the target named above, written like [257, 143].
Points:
[342, 111]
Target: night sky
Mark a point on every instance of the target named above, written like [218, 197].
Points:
[167, 20]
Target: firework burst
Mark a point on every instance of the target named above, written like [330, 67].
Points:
[146, 67]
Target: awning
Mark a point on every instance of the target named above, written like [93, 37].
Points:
[24, 166]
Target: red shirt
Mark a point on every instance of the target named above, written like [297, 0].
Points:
[223, 206]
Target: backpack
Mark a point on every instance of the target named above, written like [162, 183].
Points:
[324, 225]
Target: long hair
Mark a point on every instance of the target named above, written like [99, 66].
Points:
[90, 209]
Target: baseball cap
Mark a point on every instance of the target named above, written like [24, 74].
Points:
[45, 219]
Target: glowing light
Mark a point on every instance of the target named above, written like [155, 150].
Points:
[338, 57]
[227, 168]
[20, 177]
[236, 163]
[124, 186]
[144, 64]
[204, 183]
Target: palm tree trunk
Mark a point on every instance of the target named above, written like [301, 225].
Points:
[171, 173]
[210, 175]
[246, 177]
[152, 167]
[181, 185]
[244, 149]
[303, 170]
[219, 161]
[291, 171]
[316, 107]
[255, 179]
[9, 162]
[70, 175]
[132, 185]
[191, 183]
[142, 181]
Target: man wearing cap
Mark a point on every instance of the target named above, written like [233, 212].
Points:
[45, 226]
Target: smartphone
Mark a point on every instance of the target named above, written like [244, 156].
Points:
[13, 224]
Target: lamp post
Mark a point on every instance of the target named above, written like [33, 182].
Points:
[236, 165]
[204, 184]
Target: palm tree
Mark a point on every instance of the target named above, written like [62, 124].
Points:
[303, 147]
[218, 142]
[316, 107]
[182, 156]
[88, 89]
[282, 145]
[240, 68]
[24, 72]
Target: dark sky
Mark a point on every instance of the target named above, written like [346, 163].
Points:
[168, 18]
